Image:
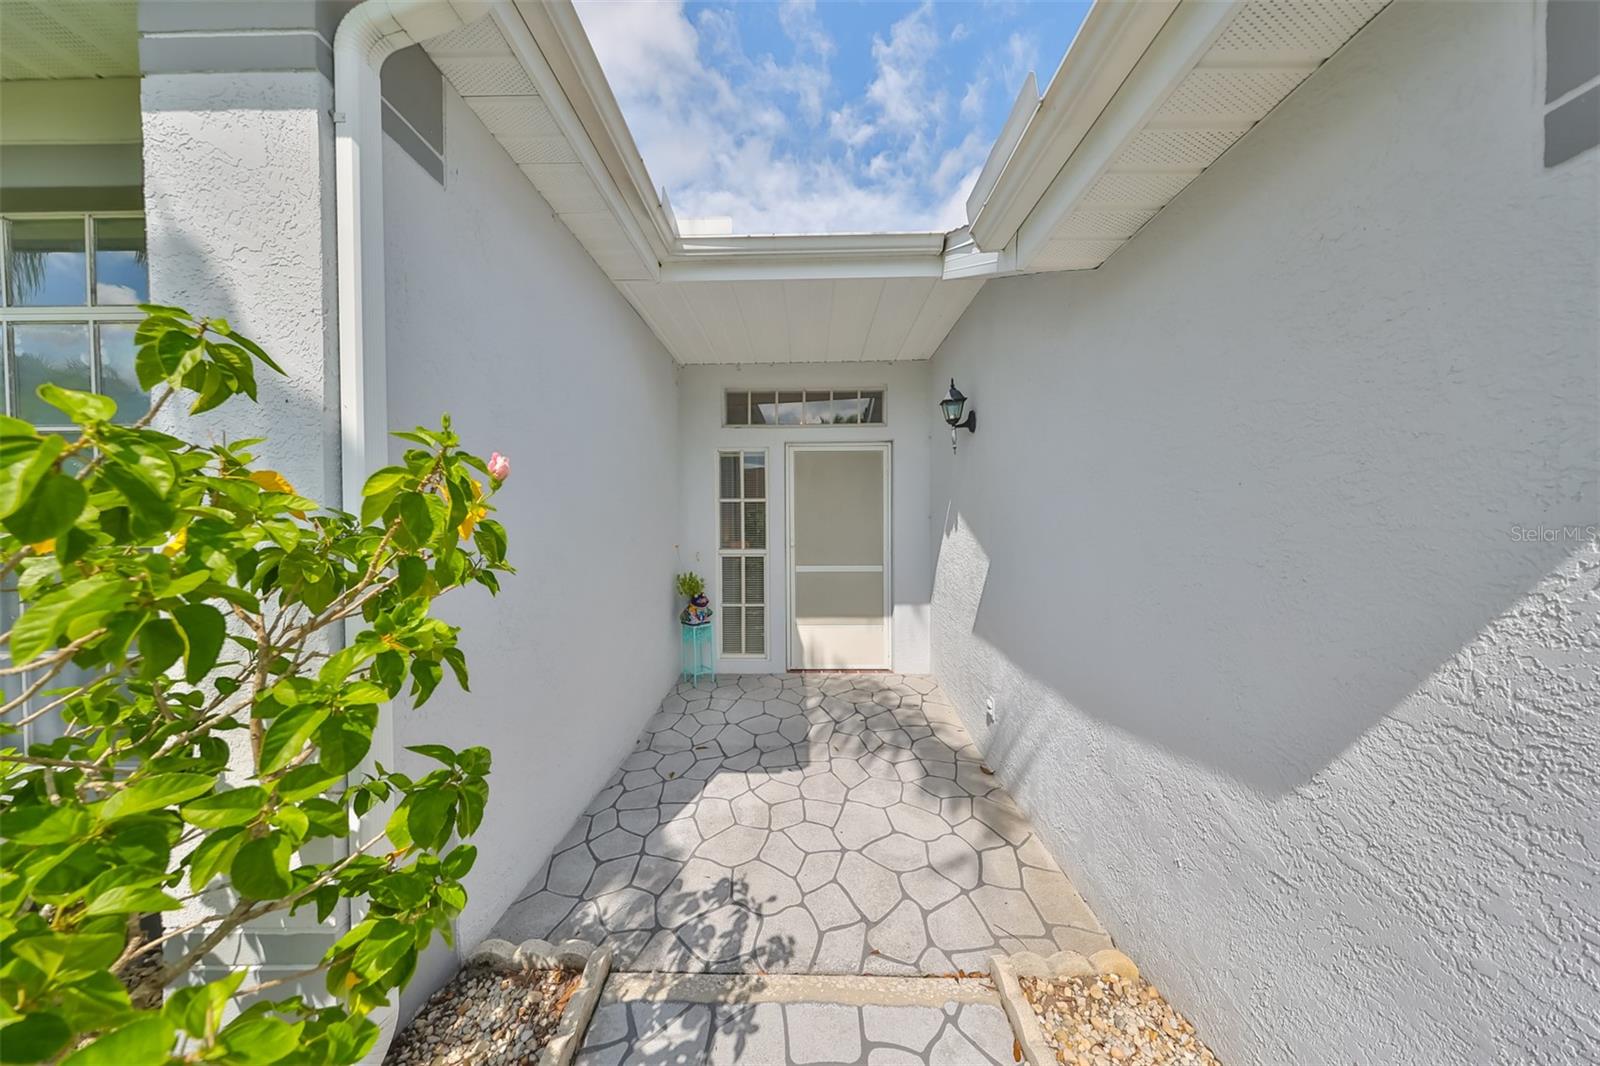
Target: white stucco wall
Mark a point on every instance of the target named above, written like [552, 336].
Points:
[1244, 552]
[498, 316]
[702, 436]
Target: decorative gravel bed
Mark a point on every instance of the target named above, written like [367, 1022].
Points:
[1111, 1020]
[487, 1017]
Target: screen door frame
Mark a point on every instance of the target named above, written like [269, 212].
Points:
[886, 450]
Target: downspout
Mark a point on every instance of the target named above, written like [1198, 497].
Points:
[367, 35]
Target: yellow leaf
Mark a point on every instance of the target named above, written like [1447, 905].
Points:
[475, 514]
[273, 481]
[44, 547]
[176, 543]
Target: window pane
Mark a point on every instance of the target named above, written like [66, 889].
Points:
[45, 263]
[728, 468]
[755, 579]
[121, 274]
[872, 406]
[755, 630]
[819, 406]
[736, 410]
[731, 592]
[755, 476]
[846, 407]
[732, 633]
[755, 526]
[789, 408]
[58, 353]
[117, 377]
[729, 526]
[763, 408]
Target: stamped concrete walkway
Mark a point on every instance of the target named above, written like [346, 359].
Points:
[805, 824]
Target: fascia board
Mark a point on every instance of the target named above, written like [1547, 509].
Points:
[1108, 45]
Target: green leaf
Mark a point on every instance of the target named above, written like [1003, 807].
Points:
[131, 899]
[431, 818]
[36, 1038]
[260, 1038]
[344, 739]
[416, 519]
[413, 571]
[148, 1040]
[303, 782]
[288, 735]
[81, 407]
[160, 645]
[437, 752]
[459, 862]
[161, 790]
[197, 1009]
[386, 480]
[56, 503]
[261, 869]
[34, 826]
[214, 856]
[25, 458]
[237, 806]
[205, 629]
[385, 946]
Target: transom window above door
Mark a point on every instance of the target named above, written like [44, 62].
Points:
[803, 407]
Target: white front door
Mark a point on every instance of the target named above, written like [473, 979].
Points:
[838, 556]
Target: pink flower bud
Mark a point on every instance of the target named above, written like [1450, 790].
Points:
[499, 466]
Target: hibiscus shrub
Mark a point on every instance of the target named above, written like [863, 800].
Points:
[231, 647]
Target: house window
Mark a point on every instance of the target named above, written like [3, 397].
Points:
[742, 552]
[69, 284]
[803, 407]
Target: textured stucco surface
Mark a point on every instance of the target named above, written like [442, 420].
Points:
[498, 316]
[239, 215]
[1246, 552]
[702, 435]
[238, 194]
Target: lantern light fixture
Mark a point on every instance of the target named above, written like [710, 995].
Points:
[954, 402]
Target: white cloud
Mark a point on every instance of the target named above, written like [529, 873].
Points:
[771, 140]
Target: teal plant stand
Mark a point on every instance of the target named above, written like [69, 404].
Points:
[695, 653]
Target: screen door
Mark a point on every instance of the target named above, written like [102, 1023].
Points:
[838, 556]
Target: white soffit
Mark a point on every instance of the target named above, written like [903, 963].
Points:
[537, 132]
[68, 39]
[1214, 71]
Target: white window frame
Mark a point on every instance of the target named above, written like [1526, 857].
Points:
[765, 554]
[89, 313]
[65, 315]
[802, 389]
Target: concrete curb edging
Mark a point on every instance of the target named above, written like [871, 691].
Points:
[1007, 971]
[543, 955]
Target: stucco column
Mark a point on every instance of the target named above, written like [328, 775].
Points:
[238, 161]
[238, 151]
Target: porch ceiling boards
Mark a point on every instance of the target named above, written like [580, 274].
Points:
[69, 39]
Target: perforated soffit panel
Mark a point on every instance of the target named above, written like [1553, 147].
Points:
[68, 39]
[1269, 48]
[483, 70]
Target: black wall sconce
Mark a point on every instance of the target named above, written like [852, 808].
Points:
[952, 406]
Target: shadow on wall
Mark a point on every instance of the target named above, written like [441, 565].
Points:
[1250, 563]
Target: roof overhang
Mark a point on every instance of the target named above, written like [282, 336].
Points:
[1150, 93]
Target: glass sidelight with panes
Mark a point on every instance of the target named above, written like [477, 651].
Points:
[742, 552]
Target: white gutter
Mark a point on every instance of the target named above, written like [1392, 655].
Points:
[367, 35]
[1113, 37]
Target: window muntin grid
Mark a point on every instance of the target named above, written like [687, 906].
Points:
[803, 407]
[69, 286]
[742, 537]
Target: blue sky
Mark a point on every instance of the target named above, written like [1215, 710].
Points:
[799, 116]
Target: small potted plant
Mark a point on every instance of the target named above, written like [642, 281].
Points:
[692, 587]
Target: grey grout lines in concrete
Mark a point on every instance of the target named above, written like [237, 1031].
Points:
[790, 824]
